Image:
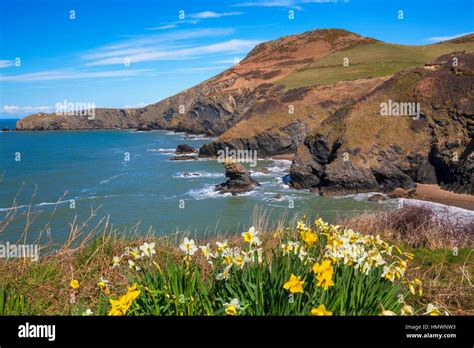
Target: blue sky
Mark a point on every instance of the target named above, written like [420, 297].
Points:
[85, 59]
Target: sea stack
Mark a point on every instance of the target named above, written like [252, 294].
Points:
[239, 179]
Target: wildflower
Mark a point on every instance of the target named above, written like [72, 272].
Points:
[251, 236]
[432, 310]
[388, 273]
[407, 310]
[302, 254]
[289, 247]
[188, 246]
[206, 251]
[387, 313]
[148, 249]
[88, 312]
[134, 253]
[309, 237]
[103, 284]
[116, 261]
[413, 284]
[225, 275]
[132, 265]
[325, 266]
[74, 284]
[232, 307]
[301, 226]
[239, 261]
[221, 247]
[320, 311]
[325, 279]
[120, 306]
[294, 284]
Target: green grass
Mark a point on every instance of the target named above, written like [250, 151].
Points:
[368, 61]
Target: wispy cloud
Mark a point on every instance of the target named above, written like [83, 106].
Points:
[211, 14]
[445, 38]
[50, 75]
[295, 4]
[15, 109]
[133, 106]
[6, 63]
[163, 27]
[202, 69]
[154, 54]
[195, 18]
[149, 43]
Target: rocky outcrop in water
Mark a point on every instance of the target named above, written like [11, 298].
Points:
[239, 179]
[184, 149]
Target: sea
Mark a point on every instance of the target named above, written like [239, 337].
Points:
[61, 180]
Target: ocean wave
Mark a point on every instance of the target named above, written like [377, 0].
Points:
[198, 174]
[36, 205]
[197, 137]
[162, 151]
[106, 181]
[209, 192]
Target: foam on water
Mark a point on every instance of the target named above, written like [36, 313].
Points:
[198, 174]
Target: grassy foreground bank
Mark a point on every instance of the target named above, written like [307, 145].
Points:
[406, 262]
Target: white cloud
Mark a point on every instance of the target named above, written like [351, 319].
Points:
[133, 106]
[202, 69]
[15, 109]
[6, 63]
[211, 14]
[446, 38]
[163, 27]
[269, 3]
[71, 75]
[149, 43]
[283, 3]
[230, 46]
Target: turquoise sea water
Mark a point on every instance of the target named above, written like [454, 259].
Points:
[91, 168]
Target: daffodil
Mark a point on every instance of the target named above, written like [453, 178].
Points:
[325, 266]
[407, 310]
[222, 246]
[133, 266]
[120, 306]
[325, 279]
[320, 311]
[225, 275]
[188, 246]
[134, 253]
[116, 261]
[388, 313]
[74, 284]
[239, 261]
[148, 249]
[294, 284]
[415, 285]
[232, 307]
[206, 251]
[388, 273]
[309, 237]
[432, 310]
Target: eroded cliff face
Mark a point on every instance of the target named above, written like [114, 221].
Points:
[358, 149]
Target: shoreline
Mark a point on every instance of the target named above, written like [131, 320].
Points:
[435, 194]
